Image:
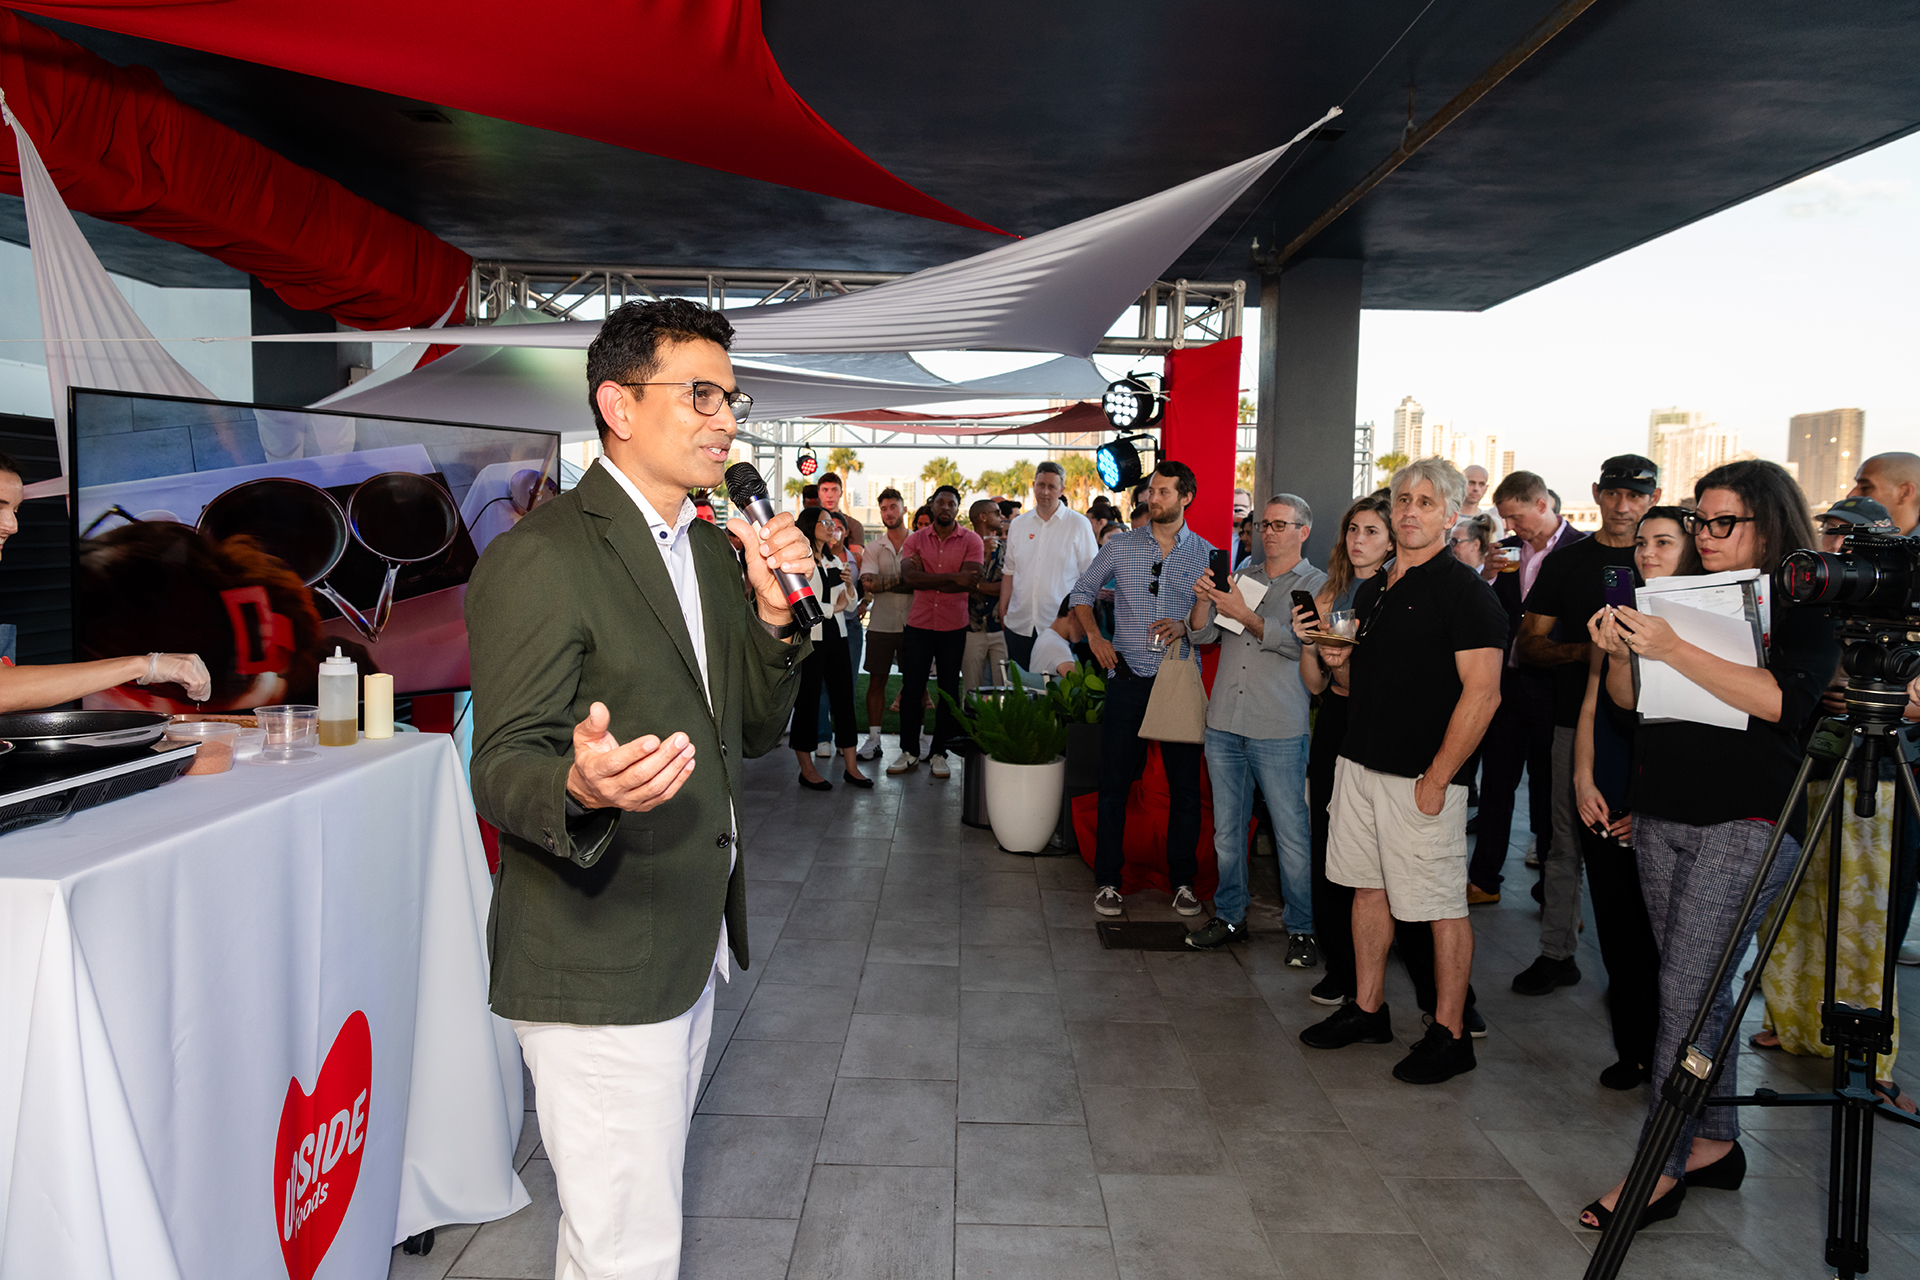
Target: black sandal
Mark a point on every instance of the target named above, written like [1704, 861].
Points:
[865, 784]
[1658, 1211]
[1724, 1174]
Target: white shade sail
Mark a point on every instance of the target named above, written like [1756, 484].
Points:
[1058, 291]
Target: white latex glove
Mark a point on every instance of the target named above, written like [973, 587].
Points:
[183, 669]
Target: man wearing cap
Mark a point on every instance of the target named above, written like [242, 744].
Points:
[1893, 481]
[1570, 589]
[1852, 515]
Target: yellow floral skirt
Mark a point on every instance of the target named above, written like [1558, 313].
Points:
[1795, 977]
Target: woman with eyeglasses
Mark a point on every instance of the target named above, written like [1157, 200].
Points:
[830, 664]
[1473, 542]
[1366, 540]
[1602, 763]
[1705, 798]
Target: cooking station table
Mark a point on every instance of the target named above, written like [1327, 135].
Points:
[244, 1027]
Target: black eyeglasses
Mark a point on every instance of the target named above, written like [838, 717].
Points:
[1153, 588]
[1718, 526]
[708, 397]
[1281, 526]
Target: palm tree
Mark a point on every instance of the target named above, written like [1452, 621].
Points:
[1388, 463]
[844, 462]
[992, 482]
[945, 471]
[795, 487]
[1017, 480]
[1243, 474]
[1083, 480]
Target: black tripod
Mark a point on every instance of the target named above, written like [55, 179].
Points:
[1877, 673]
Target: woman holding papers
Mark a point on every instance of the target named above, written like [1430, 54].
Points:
[1705, 797]
[830, 665]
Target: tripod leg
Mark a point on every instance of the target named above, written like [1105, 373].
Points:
[1685, 1091]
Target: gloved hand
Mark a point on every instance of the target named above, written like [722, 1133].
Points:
[183, 669]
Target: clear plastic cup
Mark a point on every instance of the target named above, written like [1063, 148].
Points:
[1342, 622]
[216, 739]
[288, 731]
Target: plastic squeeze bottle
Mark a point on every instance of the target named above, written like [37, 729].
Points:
[339, 701]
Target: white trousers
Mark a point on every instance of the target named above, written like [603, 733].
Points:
[614, 1105]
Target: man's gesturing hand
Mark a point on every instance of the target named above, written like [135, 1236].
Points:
[777, 544]
[635, 776]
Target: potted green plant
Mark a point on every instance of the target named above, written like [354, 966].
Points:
[1025, 745]
[1078, 698]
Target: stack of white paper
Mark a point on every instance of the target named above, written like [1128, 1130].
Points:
[1250, 591]
[1722, 613]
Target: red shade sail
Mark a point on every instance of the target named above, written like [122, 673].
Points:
[692, 80]
[120, 147]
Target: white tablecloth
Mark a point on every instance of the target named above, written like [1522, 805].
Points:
[171, 963]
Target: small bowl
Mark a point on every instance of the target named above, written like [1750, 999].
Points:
[217, 744]
[248, 743]
[288, 730]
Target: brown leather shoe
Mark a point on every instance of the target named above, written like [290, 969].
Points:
[1478, 897]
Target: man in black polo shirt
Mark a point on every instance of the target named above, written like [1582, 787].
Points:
[1425, 681]
[1570, 588]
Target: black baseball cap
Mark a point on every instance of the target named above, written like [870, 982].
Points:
[1864, 513]
[1630, 471]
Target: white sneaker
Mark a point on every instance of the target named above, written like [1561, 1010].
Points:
[1910, 953]
[905, 762]
[824, 751]
[1107, 901]
[937, 765]
[869, 750]
[1184, 902]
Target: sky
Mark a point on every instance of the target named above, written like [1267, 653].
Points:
[1794, 302]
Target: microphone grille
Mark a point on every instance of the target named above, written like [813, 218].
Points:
[744, 484]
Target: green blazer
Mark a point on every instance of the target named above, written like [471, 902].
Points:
[612, 917]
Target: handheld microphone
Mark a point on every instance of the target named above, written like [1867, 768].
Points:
[749, 495]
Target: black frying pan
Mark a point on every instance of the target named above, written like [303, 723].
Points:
[75, 732]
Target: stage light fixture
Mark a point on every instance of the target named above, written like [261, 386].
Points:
[1133, 402]
[1118, 462]
[809, 462]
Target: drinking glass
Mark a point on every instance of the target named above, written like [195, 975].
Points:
[1341, 622]
[289, 729]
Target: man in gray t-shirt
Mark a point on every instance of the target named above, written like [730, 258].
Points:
[1257, 728]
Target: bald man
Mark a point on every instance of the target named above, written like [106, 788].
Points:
[1893, 481]
[1476, 490]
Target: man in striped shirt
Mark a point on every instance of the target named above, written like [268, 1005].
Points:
[1152, 570]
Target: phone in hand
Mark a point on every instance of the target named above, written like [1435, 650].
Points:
[1304, 600]
[1217, 562]
[1619, 585]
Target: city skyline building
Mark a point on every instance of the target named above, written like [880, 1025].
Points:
[1823, 450]
[1685, 446]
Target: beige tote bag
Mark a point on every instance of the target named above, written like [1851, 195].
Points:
[1177, 708]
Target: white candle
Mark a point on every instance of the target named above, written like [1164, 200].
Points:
[379, 712]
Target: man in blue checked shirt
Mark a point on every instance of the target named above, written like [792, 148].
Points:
[1152, 570]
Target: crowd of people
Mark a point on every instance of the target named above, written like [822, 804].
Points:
[1381, 712]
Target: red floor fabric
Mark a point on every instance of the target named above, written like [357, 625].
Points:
[120, 147]
[693, 80]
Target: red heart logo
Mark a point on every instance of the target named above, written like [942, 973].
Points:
[316, 1159]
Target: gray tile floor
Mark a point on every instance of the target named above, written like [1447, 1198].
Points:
[933, 1070]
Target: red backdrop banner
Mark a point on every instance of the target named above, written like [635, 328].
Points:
[1202, 430]
[690, 79]
[120, 147]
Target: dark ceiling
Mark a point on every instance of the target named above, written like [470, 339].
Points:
[1642, 116]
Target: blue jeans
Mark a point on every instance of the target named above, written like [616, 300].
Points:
[1279, 767]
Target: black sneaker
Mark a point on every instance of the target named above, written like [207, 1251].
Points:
[1350, 1024]
[1543, 975]
[1328, 991]
[1476, 1025]
[1217, 933]
[1438, 1056]
[1302, 951]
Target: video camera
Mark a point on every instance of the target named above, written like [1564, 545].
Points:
[1874, 577]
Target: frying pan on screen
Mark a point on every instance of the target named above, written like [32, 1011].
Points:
[400, 517]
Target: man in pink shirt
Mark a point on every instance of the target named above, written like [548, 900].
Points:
[941, 562]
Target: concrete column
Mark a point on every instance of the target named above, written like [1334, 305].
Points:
[1309, 382]
[288, 373]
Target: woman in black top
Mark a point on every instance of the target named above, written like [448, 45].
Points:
[1705, 798]
[830, 664]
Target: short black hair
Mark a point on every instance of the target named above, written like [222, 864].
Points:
[8, 464]
[890, 492]
[1181, 474]
[627, 348]
[809, 493]
[1007, 507]
[945, 488]
[831, 478]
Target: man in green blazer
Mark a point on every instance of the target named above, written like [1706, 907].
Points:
[622, 670]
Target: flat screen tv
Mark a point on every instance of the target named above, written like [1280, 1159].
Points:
[263, 538]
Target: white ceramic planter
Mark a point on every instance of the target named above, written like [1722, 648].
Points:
[1023, 803]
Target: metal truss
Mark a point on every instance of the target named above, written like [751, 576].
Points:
[1363, 482]
[1169, 316]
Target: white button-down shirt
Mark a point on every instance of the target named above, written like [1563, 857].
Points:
[676, 550]
[1044, 558]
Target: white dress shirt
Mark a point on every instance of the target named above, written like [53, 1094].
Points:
[676, 550]
[1044, 558]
